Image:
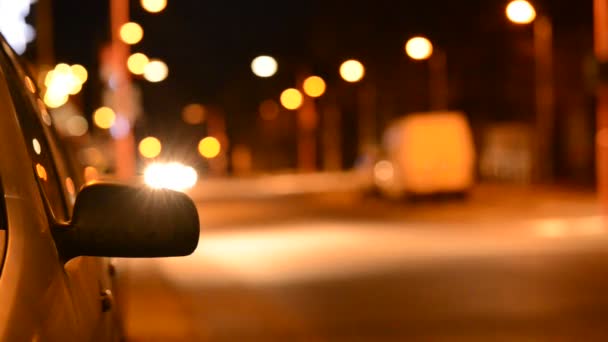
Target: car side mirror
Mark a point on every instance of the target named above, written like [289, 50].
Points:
[114, 220]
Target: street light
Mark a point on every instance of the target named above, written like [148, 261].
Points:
[131, 33]
[264, 66]
[291, 98]
[136, 63]
[419, 48]
[156, 71]
[154, 6]
[150, 147]
[352, 71]
[314, 86]
[522, 12]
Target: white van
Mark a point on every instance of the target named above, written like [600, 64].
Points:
[427, 153]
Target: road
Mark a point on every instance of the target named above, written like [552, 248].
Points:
[504, 264]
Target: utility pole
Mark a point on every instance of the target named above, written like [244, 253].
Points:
[124, 144]
[544, 98]
[600, 8]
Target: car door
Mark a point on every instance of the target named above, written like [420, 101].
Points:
[86, 279]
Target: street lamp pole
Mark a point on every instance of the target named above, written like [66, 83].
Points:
[522, 12]
[438, 80]
[124, 145]
[601, 53]
[544, 97]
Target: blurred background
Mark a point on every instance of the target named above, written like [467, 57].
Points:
[380, 170]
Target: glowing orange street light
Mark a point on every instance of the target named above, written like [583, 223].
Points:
[154, 6]
[291, 99]
[419, 48]
[104, 117]
[314, 86]
[131, 33]
[520, 12]
[136, 63]
[352, 71]
[150, 147]
[209, 147]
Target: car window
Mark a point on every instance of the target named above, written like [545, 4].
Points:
[32, 117]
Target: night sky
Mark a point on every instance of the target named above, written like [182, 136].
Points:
[208, 46]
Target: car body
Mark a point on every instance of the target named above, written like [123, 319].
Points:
[50, 290]
[427, 153]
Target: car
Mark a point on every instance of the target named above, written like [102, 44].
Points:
[426, 153]
[57, 234]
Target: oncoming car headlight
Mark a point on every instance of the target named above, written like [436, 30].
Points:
[174, 176]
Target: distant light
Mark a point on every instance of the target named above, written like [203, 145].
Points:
[121, 127]
[90, 174]
[80, 72]
[269, 110]
[136, 63]
[193, 114]
[55, 100]
[36, 146]
[29, 84]
[314, 86]
[131, 33]
[69, 186]
[352, 70]
[156, 71]
[291, 99]
[383, 171]
[209, 147]
[154, 6]
[104, 117]
[150, 147]
[419, 48]
[264, 66]
[75, 89]
[41, 171]
[76, 126]
[174, 176]
[520, 12]
[13, 25]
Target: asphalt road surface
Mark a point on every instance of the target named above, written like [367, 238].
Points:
[502, 265]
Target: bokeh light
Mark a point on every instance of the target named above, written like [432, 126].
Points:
[62, 81]
[41, 171]
[174, 176]
[36, 146]
[55, 100]
[264, 66]
[193, 114]
[153, 6]
[80, 72]
[136, 63]
[520, 12]
[131, 33]
[120, 128]
[419, 48]
[269, 110]
[150, 147]
[291, 98]
[90, 174]
[76, 126]
[104, 117]
[156, 71]
[209, 147]
[352, 70]
[314, 86]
